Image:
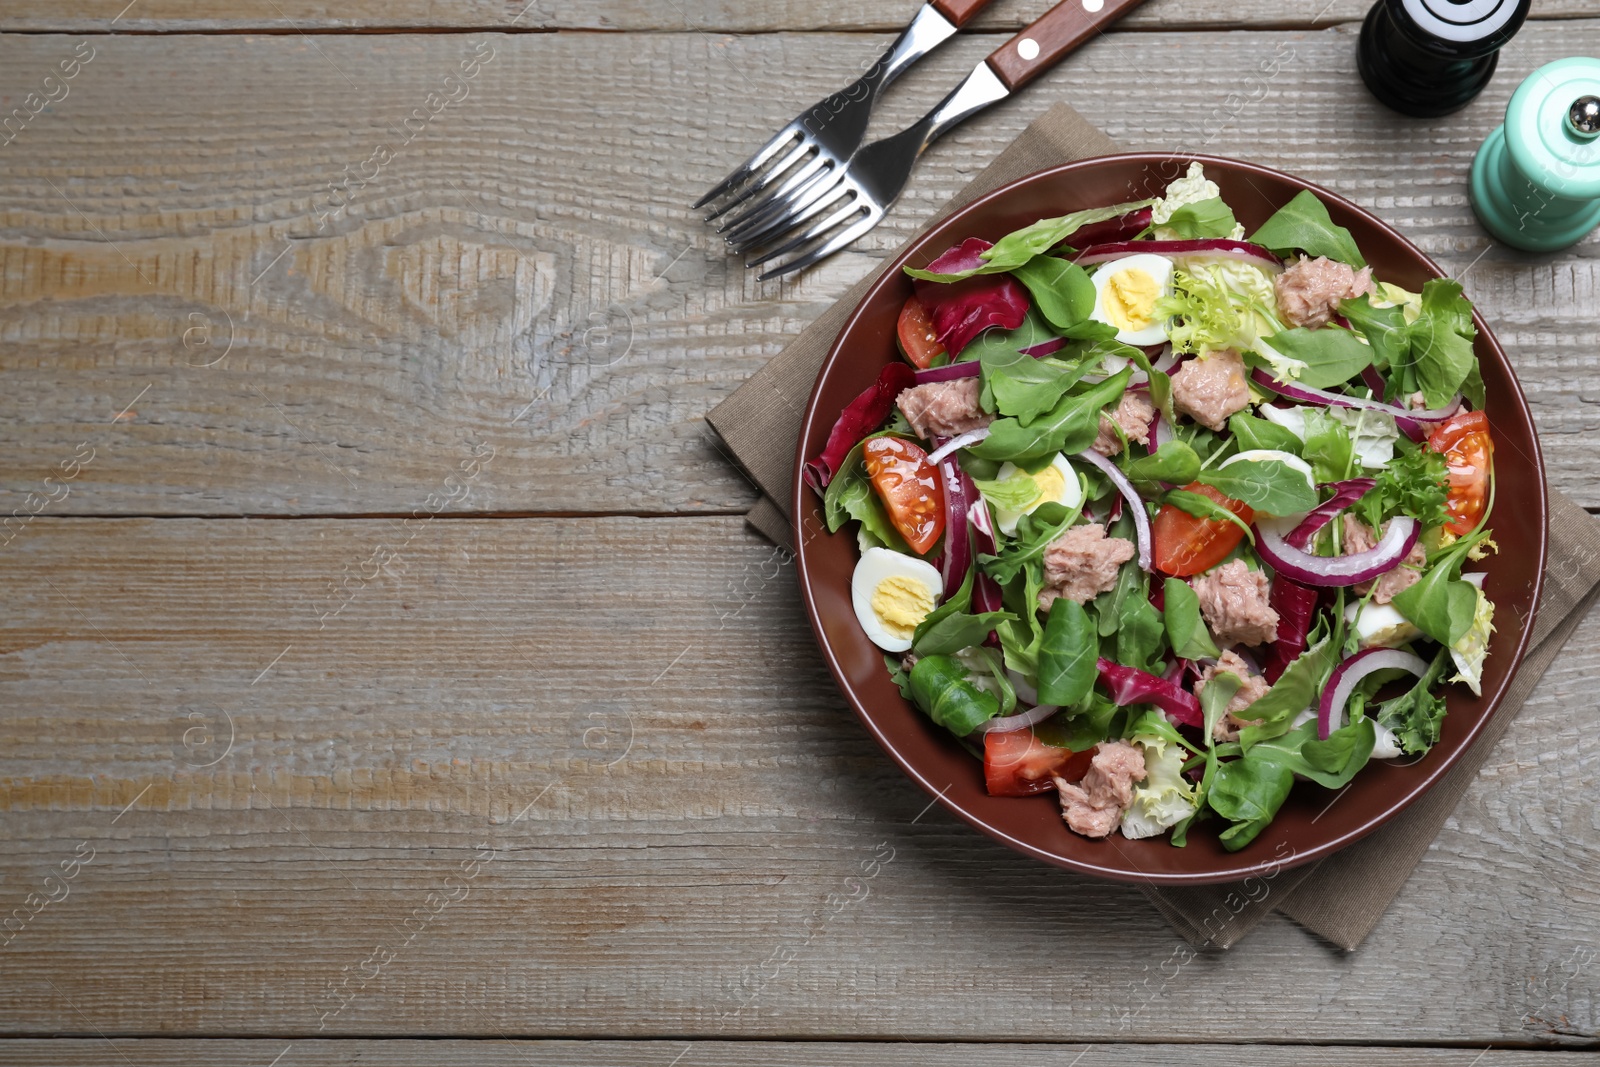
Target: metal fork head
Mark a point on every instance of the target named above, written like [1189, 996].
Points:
[822, 138]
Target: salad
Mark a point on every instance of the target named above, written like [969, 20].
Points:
[1165, 518]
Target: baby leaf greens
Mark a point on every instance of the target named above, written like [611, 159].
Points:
[1067, 656]
[1015, 249]
[1303, 224]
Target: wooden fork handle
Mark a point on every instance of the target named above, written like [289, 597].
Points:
[959, 12]
[1055, 33]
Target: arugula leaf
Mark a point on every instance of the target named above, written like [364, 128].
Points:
[941, 687]
[1328, 447]
[1024, 387]
[1035, 531]
[1416, 482]
[1070, 426]
[1067, 656]
[1018, 247]
[1331, 355]
[1441, 341]
[1303, 223]
[850, 496]
[1254, 432]
[1417, 715]
[1248, 793]
[1296, 689]
[1384, 329]
[1061, 290]
[1203, 507]
[1174, 463]
[1270, 486]
[898, 675]
[1202, 218]
[1185, 627]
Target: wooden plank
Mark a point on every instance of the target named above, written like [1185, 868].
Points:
[159, 1052]
[709, 16]
[525, 275]
[691, 834]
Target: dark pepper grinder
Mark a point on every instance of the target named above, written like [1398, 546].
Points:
[1431, 57]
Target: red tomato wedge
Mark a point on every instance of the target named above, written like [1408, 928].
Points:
[1184, 544]
[909, 488]
[918, 341]
[1018, 764]
[1468, 451]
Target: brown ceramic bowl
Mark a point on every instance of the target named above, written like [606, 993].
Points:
[1313, 822]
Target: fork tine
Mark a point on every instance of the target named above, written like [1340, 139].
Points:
[742, 172]
[824, 176]
[772, 174]
[851, 207]
[775, 229]
[853, 233]
[789, 191]
[780, 215]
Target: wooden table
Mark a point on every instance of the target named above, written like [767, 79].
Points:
[384, 655]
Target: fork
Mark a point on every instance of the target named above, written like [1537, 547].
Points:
[823, 137]
[876, 175]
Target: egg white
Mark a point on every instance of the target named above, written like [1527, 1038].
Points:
[1071, 494]
[1160, 269]
[876, 566]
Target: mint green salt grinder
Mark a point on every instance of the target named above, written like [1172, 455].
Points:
[1536, 180]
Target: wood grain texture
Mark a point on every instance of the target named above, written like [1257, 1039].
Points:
[157, 1052]
[710, 16]
[693, 836]
[525, 273]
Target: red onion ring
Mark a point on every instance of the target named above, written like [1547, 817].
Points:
[1342, 682]
[1141, 519]
[1044, 348]
[971, 437]
[959, 493]
[1183, 251]
[947, 373]
[985, 590]
[1020, 721]
[1345, 493]
[1307, 569]
[1160, 433]
[1414, 424]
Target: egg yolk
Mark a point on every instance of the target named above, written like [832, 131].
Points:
[900, 603]
[1051, 483]
[1130, 299]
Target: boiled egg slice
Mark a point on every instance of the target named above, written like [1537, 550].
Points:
[1125, 295]
[893, 592]
[1058, 483]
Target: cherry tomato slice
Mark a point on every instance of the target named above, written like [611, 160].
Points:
[1185, 544]
[1018, 764]
[918, 343]
[909, 487]
[1468, 451]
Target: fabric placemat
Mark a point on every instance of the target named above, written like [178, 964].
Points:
[1341, 898]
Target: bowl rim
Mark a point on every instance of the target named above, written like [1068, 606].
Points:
[801, 496]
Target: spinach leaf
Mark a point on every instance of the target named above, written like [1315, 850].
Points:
[1248, 793]
[1441, 341]
[1332, 356]
[1331, 763]
[1328, 447]
[1141, 635]
[1303, 223]
[1214, 698]
[1203, 218]
[1384, 329]
[1070, 426]
[850, 496]
[1068, 655]
[1061, 289]
[1024, 387]
[1186, 629]
[1440, 605]
[1417, 715]
[1203, 507]
[1018, 247]
[1270, 486]
[957, 631]
[1254, 432]
[1082, 728]
[1174, 463]
[941, 688]
[1022, 635]
[1130, 586]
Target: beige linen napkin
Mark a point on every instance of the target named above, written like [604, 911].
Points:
[1340, 899]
